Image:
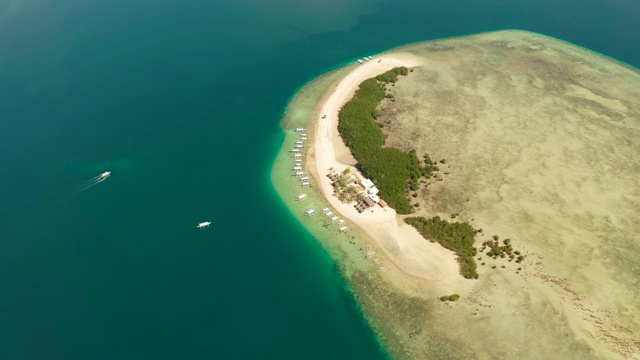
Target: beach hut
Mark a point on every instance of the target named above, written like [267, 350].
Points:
[299, 146]
[297, 155]
[299, 173]
[297, 168]
[305, 184]
[310, 212]
[369, 201]
[304, 178]
[334, 218]
[301, 196]
[299, 130]
[343, 229]
[295, 150]
[328, 213]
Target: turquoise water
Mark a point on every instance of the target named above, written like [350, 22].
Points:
[181, 100]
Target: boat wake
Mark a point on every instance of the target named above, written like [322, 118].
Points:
[49, 197]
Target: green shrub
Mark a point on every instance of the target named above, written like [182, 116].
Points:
[389, 168]
[453, 297]
[456, 236]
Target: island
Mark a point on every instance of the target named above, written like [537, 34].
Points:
[518, 236]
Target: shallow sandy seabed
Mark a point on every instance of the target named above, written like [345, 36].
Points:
[541, 145]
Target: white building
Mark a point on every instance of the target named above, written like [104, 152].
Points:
[366, 183]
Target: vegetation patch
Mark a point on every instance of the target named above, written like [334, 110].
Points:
[453, 297]
[391, 76]
[455, 236]
[393, 170]
[505, 250]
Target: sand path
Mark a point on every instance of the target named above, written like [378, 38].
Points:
[403, 245]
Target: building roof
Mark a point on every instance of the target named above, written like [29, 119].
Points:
[369, 201]
[374, 190]
[366, 183]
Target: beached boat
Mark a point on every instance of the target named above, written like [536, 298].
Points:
[360, 62]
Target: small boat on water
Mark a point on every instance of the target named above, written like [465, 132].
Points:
[204, 225]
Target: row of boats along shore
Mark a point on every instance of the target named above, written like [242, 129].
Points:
[298, 171]
[366, 58]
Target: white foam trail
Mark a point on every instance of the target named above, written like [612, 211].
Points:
[91, 183]
[51, 197]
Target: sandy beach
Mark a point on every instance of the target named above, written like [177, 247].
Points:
[402, 244]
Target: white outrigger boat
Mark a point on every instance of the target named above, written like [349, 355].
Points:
[204, 225]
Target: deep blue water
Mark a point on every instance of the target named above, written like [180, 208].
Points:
[181, 100]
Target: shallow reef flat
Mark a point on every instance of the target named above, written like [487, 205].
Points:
[540, 139]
